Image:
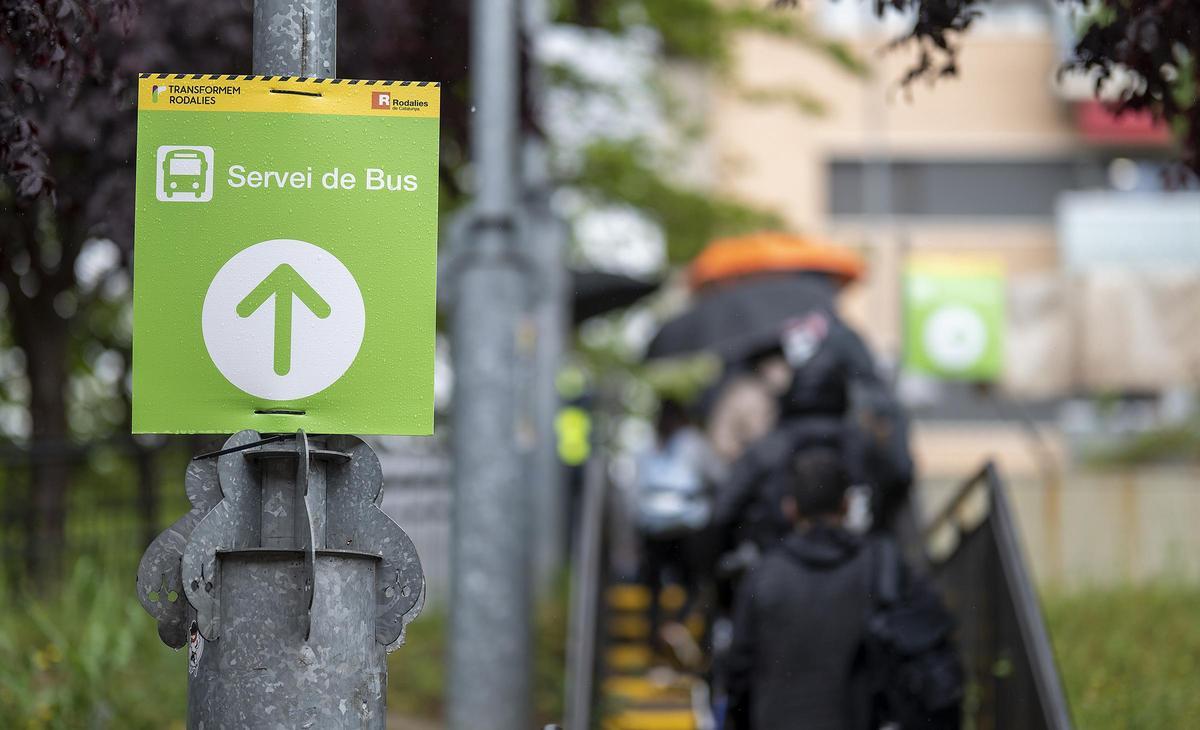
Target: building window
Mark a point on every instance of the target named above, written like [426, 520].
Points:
[957, 188]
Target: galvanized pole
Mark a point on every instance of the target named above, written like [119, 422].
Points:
[286, 600]
[295, 38]
[285, 580]
[490, 660]
[547, 235]
[292, 38]
[547, 238]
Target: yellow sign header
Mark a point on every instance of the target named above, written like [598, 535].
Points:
[287, 94]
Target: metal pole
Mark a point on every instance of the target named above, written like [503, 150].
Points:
[295, 38]
[585, 596]
[490, 660]
[291, 38]
[547, 240]
[286, 600]
[284, 631]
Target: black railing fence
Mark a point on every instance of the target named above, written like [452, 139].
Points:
[119, 494]
[976, 557]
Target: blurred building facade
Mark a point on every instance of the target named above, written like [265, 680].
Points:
[1003, 161]
[1009, 163]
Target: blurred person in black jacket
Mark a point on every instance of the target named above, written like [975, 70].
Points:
[799, 616]
[833, 631]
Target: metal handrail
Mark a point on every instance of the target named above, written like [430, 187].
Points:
[946, 515]
[583, 624]
[1031, 626]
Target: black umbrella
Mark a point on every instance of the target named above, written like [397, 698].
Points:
[744, 317]
[597, 292]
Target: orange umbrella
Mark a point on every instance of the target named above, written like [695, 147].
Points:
[770, 252]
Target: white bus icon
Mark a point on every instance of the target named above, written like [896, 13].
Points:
[184, 174]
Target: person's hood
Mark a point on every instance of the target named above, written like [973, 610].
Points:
[821, 546]
[791, 435]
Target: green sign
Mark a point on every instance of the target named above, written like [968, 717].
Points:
[285, 255]
[954, 320]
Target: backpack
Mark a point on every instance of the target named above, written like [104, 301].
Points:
[671, 498]
[914, 674]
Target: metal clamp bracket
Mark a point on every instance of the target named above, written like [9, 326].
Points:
[338, 512]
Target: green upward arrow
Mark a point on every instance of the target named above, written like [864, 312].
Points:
[283, 283]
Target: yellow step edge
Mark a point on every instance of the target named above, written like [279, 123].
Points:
[629, 627]
[652, 720]
[641, 689]
[629, 657]
[627, 597]
[635, 597]
[672, 598]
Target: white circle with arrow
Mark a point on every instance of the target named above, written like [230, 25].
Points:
[283, 319]
[956, 337]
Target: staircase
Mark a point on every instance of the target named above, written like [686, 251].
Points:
[641, 691]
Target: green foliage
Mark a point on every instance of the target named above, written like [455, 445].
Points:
[417, 671]
[690, 218]
[703, 30]
[103, 519]
[1128, 656]
[801, 100]
[1187, 86]
[682, 379]
[643, 384]
[87, 657]
[784, 25]
[1168, 444]
[550, 657]
[692, 29]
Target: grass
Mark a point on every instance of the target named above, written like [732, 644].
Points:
[417, 670]
[1130, 657]
[88, 658]
[1161, 445]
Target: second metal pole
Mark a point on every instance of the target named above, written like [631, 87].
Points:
[490, 639]
[547, 239]
[547, 235]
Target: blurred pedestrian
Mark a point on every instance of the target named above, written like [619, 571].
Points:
[807, 649]
[805, 371]
[673, 506]
[745, 404]
[837, 377]
[836, 398]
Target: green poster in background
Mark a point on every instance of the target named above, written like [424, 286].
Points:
[285, 255]
[954, 314]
